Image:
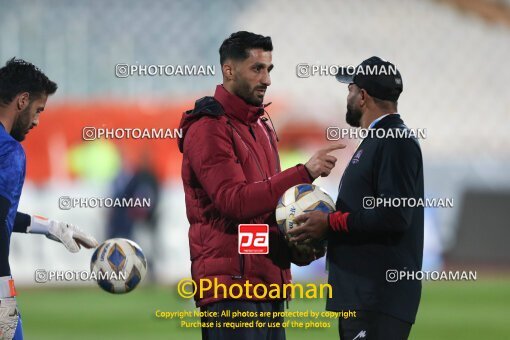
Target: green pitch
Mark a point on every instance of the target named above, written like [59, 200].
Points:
[454, 310]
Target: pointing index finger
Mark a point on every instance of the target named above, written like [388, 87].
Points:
[332, 147]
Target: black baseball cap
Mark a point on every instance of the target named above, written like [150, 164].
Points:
[378, 77]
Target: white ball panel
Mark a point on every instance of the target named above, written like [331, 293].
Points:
[133, 258]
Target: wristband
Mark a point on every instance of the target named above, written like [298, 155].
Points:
[39, 225]
[338, 221]
[7, 289]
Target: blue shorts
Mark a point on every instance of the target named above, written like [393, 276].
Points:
[18, 335]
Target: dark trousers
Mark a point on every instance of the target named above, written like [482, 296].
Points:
[368, 325]
[252, 333]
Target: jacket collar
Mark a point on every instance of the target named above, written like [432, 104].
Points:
[389, 121]
[236, 107]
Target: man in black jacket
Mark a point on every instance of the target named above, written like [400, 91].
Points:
[374, 235]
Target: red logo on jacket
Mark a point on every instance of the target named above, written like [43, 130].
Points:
[253, 238]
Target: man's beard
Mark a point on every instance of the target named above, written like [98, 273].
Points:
[353, 116]
[21, 125]
[244, 91]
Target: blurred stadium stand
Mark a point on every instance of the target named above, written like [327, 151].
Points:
[491, 10]
[453, 57]
[483, 237]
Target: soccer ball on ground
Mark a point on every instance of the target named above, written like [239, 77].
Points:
[300, 199]
[119, 265]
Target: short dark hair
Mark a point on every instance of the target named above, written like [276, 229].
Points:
[18, 76]
[237, 45]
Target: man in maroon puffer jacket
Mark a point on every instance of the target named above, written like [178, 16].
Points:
[231, 175]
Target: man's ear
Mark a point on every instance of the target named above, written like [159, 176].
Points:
[363, 97]
[363, 93]
[22, 101]
[228, 70]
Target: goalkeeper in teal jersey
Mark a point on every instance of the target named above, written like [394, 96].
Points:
[24, 90]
